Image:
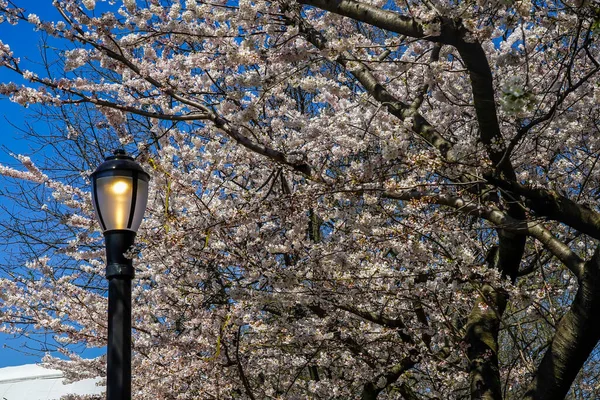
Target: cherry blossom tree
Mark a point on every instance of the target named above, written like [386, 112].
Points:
[350, 199]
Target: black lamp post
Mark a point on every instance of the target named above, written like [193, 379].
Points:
[119, 194]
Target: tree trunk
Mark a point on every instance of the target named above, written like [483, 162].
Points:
[576, 336]
[482, 338]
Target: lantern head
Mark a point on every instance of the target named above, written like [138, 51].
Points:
[120, 193]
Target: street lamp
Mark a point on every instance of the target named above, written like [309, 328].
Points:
[119, 195]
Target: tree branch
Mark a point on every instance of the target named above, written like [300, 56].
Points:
[240, 368]
[500, 220]
[554, 206]
[379, 320]
[383, 19]
[371, 390]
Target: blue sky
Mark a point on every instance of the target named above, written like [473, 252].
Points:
[13, 350]
[24, 41]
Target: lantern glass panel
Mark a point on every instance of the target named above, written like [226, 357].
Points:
[114, 199]
[141, 199]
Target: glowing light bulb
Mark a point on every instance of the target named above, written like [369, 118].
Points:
[120, 187]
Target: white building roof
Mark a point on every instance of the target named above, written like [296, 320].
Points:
[32, 382]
